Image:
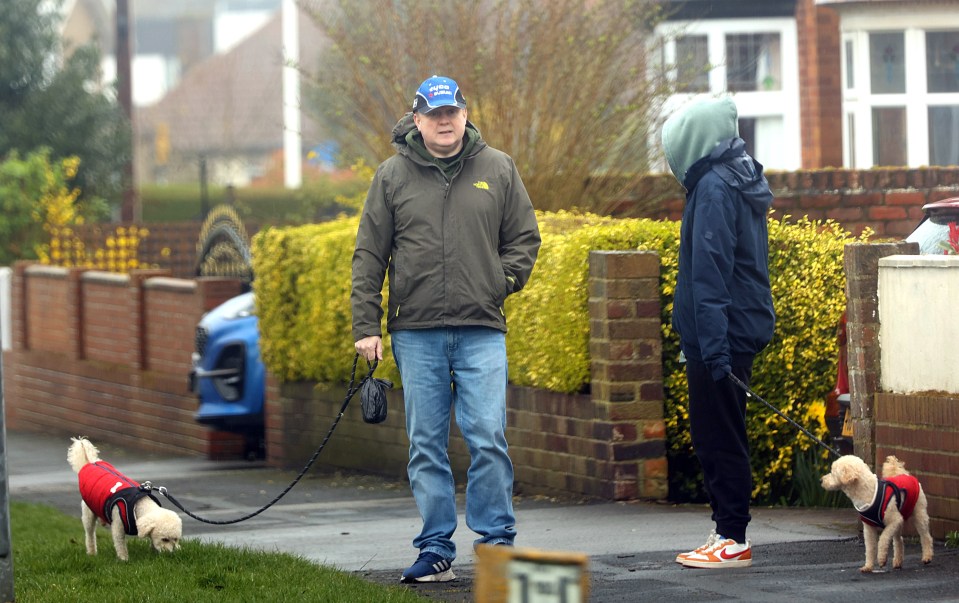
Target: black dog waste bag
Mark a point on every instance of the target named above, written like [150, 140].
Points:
[373, 399]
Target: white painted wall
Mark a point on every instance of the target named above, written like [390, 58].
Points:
[919, 324]
[6, 277]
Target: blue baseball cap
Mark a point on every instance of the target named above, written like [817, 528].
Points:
[438, 91]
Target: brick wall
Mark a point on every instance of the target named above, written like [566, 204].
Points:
[107, 355]
[167, 246]
[123, 379]
[170, 246]
[922, 430]
[819, 71]
[861, 264]
[608, 444]
[887, 200]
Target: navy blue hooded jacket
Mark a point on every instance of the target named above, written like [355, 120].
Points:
[722, 306]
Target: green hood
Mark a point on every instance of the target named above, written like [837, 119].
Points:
[694, 131]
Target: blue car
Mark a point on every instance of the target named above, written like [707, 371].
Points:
[228, 374]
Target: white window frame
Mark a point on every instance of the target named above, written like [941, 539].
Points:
[855, 26]
[783, 103]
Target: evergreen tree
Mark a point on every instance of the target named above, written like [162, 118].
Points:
[52, 99]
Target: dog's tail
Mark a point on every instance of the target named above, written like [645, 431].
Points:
[893, 467]
[82, 452]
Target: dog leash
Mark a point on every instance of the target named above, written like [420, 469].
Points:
[350, 392]
[750, 393]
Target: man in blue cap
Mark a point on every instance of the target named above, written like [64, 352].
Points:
[448, 218]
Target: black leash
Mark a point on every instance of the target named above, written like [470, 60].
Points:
[753, 394]
[350, 392]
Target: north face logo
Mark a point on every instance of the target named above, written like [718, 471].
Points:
[480, 184]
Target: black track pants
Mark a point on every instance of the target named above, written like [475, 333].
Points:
[717, 418]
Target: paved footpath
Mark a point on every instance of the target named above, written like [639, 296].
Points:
[364, 524]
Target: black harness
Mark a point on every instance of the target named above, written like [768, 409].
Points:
[876, 511]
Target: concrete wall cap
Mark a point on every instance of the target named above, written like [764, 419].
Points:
[919, 261]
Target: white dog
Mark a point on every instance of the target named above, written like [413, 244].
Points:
[119, 502]
[884, 505]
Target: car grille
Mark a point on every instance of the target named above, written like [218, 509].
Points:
[199, 341]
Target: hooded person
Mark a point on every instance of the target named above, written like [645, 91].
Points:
[722, 308]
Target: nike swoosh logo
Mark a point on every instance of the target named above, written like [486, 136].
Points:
[723, 554]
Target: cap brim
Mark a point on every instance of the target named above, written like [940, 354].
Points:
[429, 109]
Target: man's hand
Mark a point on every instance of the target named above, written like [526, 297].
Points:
[370, 348]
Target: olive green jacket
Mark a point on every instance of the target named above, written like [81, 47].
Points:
[454, 247]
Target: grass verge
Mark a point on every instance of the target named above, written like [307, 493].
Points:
[50, 564]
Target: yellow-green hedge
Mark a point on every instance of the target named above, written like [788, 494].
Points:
[303, 287]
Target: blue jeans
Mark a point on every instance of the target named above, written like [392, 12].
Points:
[465, 368]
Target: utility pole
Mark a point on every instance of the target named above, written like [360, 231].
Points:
[204, 191]
[6, 547]
[130, 209]
[292, 156]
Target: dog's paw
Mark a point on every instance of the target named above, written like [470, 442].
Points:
[927, 560]
[866, 569]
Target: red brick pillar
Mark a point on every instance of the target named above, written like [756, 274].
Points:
[214, 290]
[627, 373]
[18, 307]
[137, 297]
[74, 305]
[861, 262]
[211, 292]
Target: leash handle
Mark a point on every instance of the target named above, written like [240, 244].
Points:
[753, 394]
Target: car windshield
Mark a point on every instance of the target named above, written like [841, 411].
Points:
[930, 236]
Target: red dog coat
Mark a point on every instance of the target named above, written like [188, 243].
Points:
[906, 490]
[102, 488]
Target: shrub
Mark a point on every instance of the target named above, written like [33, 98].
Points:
[303, 300]
[303, 286]
[38, 195]
[41, 209]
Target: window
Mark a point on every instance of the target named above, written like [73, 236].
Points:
[944, 135]
[889, 136]
[887, 63]
[753, 62]
[850, 136]
[692, 64]
[850, 72]
[754, 59]
[942, 61]
[901, 87]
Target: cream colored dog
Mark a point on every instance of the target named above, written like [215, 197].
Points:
[119, 502]
[884, 505]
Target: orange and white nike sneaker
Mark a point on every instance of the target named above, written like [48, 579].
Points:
[710, 541]
[725, 552]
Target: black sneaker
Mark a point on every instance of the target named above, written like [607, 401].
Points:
[429, 567]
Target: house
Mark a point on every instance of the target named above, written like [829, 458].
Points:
[206, 83]
[818, 83]
[227, 111]
[86, 21]
[825, 83]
